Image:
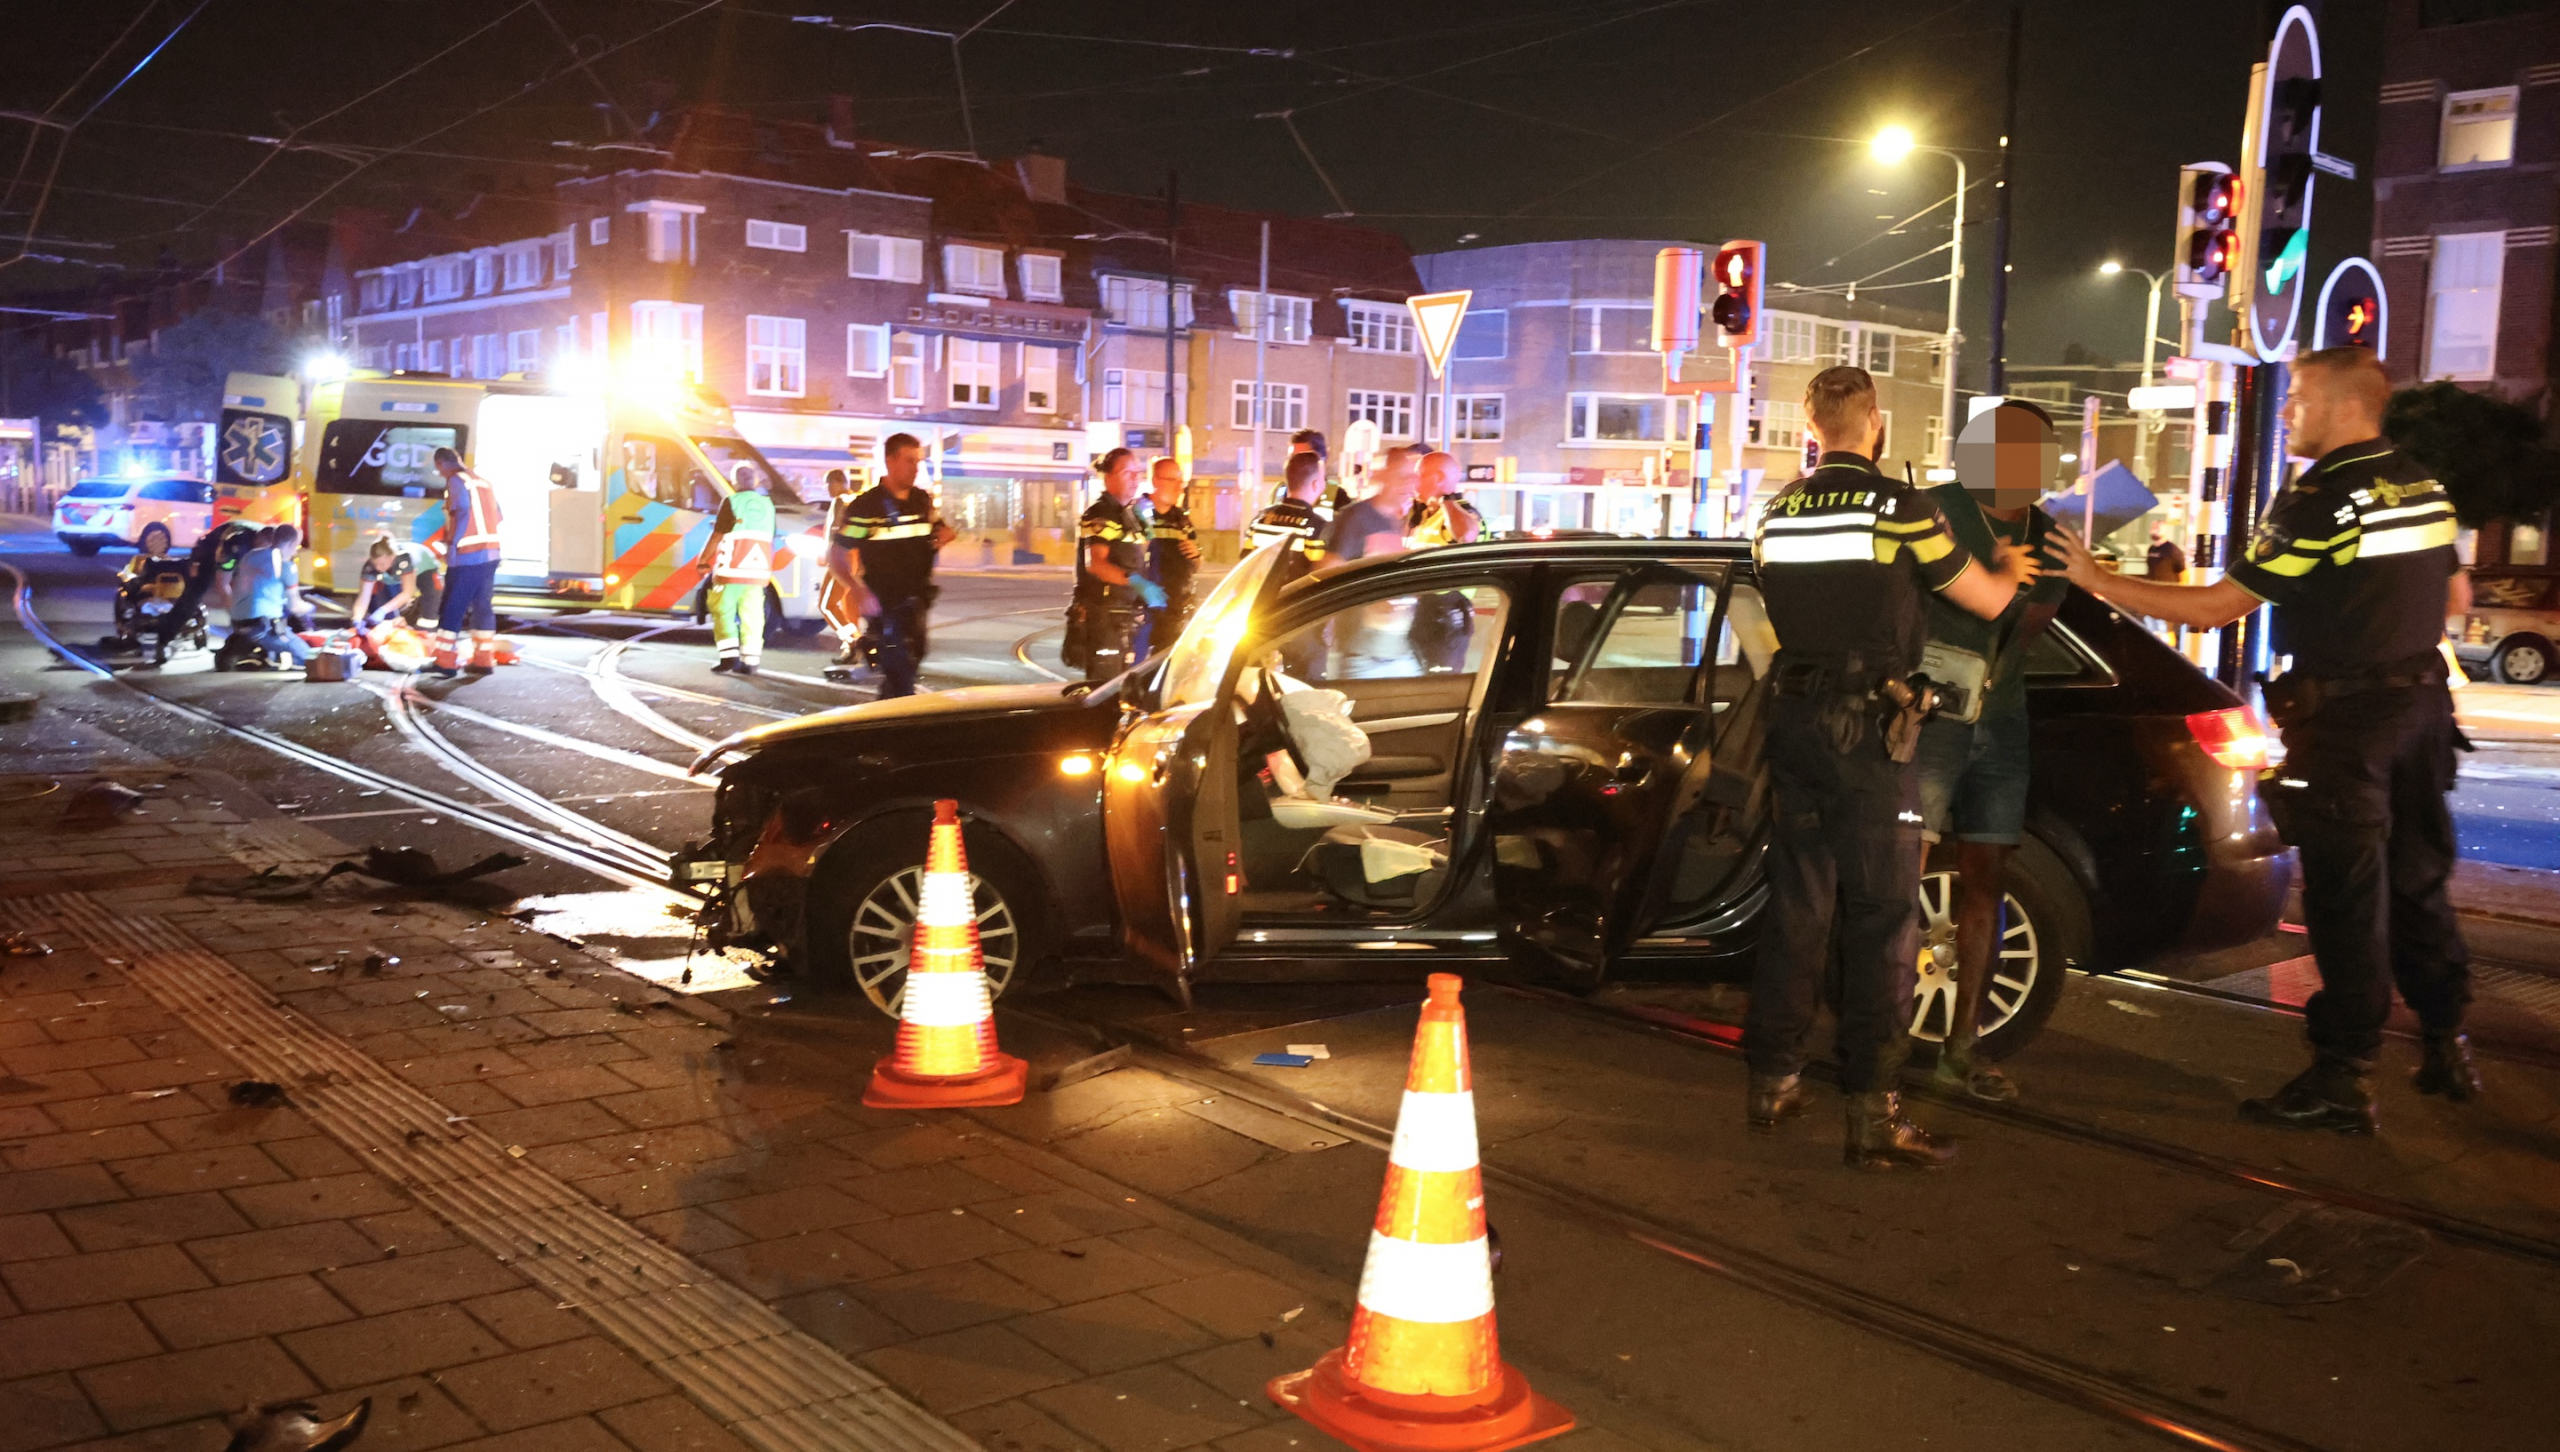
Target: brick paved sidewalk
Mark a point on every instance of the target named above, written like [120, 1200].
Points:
[167, 1256]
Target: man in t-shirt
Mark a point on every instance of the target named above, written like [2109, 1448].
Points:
[1973, 756]
[262, 596]
[1376, 640]
[883, 550]
[840, 601]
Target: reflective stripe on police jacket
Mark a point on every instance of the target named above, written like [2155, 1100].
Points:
[2355, 557]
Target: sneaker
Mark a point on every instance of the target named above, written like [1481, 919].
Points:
[440, 672]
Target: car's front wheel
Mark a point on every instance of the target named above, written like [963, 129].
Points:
[2044, 930]
[2522, 660]
[84, 548]
[862, 910]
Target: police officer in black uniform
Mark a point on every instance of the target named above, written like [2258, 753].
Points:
[885, 542]
[1294, 520]
[1111, 570]
[2358, 560]
[1173, 558]
[1846, 559]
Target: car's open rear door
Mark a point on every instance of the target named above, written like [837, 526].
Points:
[1169, 812]
[1589, 788]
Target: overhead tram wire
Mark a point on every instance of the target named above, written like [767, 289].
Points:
[62, 145]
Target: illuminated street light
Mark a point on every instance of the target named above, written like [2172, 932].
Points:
[1891, 145]
[2151, 310]
[2110, 268]
[325, 367]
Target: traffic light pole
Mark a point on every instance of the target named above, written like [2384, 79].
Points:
[2000, 232]
[2240, 491]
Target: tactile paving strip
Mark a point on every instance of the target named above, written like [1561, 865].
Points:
[774, 1385]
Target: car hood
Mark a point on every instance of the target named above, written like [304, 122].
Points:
[970, 703]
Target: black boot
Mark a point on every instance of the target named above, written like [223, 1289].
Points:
[2448, 1069]
[2334, 1093]
[1881, 1139]
[1774, 1099]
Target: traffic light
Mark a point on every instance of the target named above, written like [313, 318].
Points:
[2287, 138]
[2353, 308]
[1737, 305]
[2208, 228]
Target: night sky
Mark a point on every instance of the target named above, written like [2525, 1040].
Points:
[1500, 120]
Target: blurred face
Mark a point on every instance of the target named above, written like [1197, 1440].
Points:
[1396, 477]
[1437, 476]
[2008, 456]
[1166, 481]
[1122, 479]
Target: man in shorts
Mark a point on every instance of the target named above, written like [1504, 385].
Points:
[1973, 754]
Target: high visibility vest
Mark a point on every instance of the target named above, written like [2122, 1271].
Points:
[481, 532]
[745, 555]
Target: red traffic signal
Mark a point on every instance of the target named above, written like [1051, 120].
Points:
[1738, 284]
[2208, 228]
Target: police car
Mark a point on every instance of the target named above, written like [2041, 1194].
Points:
[156, 515]
[1558, 762]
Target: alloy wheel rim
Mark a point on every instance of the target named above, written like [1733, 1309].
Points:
[2525, 665]
[2017, 959]
[882, 936]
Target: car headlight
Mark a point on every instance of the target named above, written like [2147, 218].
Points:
[807, 546]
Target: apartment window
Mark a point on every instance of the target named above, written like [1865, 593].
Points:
[866, 350]
[973, 269]
[484, 273]
[412, 357]
[777, 236]
[1137, 395]
[599, 231]
[1607, 328]
[777, 356]
[1391, 412]
[523, 266]
[524, 351]
[1139, 302]
[599, 333]
[1615, 418]
[2462, 305]
[883, 259]
[1479, 417]
[1934, 439]
[406, 281]
[373, 294]
[1281, 318]
[1790, 340]
[2479, 129]
[1782, 425]
[1043, 277]
[1483, 335]
[1879, 360]
[1284, 405]
[564, 255]
[667, 229]
[1834, 345]
[487, 359]
[445, 280]
[668, 335]
[976, 372]
[564, 340]
[1039, 378]
[337, 309]
[1380, 327]
[906, 367]
[432, 354]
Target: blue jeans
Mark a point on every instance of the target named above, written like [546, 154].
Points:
[267, 633]
[1973, 778]
[467, 597]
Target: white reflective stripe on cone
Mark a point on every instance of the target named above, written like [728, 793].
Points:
[946, 901]
[1434, 1283]
[1435, 1131]
[946, 1000]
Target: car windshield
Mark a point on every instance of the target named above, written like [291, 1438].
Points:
[1198, 662]
[99, 489]
[730, 453]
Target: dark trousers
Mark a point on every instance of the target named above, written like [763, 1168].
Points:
[899, 642]
[1158, 629]
[1844, 880]
[467, 604]
[1110, 629]
[2377, 846]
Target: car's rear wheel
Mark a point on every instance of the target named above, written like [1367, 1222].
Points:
[862, 911]
[155, 539]
[2044, 931]
[2523, 659]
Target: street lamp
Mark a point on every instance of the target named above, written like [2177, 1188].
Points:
[2150, 312]
[1891, 145]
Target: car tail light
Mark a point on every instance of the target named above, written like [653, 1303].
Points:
[2233, 738]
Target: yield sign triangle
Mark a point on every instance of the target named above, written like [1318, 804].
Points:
[1436, 316]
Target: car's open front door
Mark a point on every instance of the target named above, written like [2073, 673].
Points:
[1169, 813]
[1588, 789]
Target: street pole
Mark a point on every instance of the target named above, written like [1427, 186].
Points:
[2151, 323]
[1261, 385]
[1172, 254]
[2000, 227]
[1947, 425]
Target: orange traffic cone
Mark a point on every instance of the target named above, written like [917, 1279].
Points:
[1423, 1371]
[946, 1056]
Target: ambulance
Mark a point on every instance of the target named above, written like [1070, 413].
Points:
[607, 496]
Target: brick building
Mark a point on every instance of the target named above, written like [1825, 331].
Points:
[2467, 191]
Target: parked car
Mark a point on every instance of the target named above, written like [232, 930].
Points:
[1563, 770]
[153, 515]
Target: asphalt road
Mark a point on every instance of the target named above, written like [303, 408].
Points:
[2124, 1259]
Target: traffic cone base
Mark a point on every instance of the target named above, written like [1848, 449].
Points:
[1510, 1415]
[1001, 1082]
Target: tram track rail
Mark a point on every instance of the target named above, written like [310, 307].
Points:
[629, 863]
[2058, 1379]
